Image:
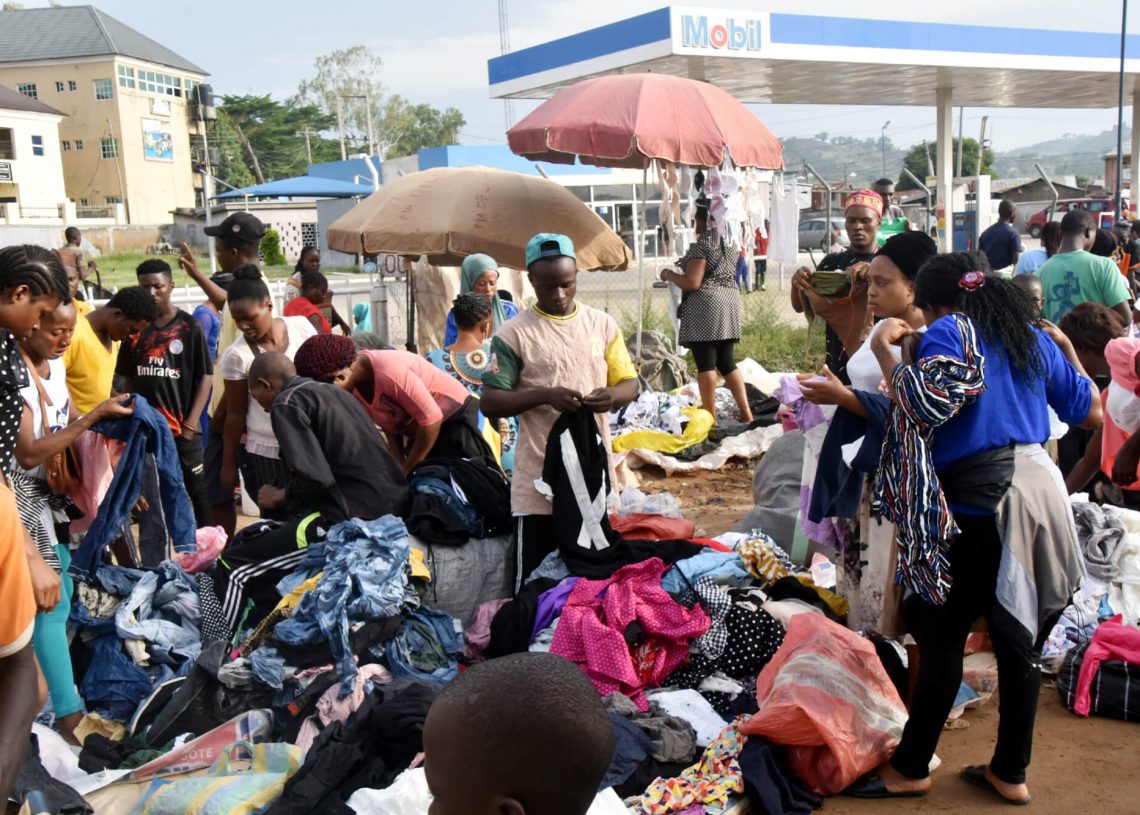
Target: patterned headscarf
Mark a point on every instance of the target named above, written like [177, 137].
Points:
[473, 268]
[320, 357]
[866, 198]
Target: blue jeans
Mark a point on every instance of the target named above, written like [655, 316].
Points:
[50, 643]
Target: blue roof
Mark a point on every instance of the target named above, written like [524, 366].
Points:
[303, 186]
[500, 157]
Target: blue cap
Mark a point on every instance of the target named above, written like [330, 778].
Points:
[549, 245]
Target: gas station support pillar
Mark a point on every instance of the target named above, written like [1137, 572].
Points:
[944, 168]
[1133, 179]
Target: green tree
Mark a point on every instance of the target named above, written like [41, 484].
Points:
[231, 167]
[397, 127]
[916, 161]
[268, 137]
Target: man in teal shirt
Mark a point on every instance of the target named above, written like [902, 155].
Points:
[1074, 276]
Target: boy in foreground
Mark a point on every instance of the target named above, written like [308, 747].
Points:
[525, 734]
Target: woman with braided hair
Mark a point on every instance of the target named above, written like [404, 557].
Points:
[423, 412]
[984, 526]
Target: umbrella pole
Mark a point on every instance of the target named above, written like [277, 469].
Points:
[640, 268]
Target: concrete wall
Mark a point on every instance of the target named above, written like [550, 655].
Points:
[47, 236]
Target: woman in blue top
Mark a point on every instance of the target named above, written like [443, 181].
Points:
[480, 275]
[984, 525]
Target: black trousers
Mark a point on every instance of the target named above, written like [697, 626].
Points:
[536, 540]
[190, 454]
[761, 271]
[941, 633]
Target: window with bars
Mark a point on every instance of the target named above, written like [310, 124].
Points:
[79, 144]
[104, 89]
[109, 147]
[65, 145]
[28, 89]
[71, 85]
[7, 144]
[126, 77]
[113, 199]
[37, 145]
[59, 87]
[308, 234]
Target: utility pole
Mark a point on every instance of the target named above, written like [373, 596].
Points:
[982, 145]
[505, 48]
[308, 146]
[371, 127]
[883, 145]
[340, 127]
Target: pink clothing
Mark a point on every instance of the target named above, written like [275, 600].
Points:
[591, 630]
[1120, 354]
[478, 634]
[331, 708]
[409, 392]
[211, 541]
[1112, 640]
[98, 468]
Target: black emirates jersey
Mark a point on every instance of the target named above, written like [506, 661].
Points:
[166, 365]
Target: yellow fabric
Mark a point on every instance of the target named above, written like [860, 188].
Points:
[619, 367]
[94, 723]
[418, 565]
[837, 603]
[491, 436]
[696, 431]
[82, 307]
[291, 599]
[90, 367]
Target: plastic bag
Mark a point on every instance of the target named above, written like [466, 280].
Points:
[696, 430]
[826, 696]
[636, 502]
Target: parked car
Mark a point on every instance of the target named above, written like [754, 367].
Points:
[813, 233]
[1103, 211]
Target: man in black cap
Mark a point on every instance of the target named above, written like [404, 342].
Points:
[237, 241]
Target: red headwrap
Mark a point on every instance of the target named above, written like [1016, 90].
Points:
[866, 198]
[320, 357]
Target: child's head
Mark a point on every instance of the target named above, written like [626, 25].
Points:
[314, 287]
[1090, 327]
[1031, 285]
[131, 310]
[155, 276]
[473, 313]
[526, 733]
[33, 284]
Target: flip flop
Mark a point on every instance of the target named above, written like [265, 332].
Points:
[872, 787]
[976, 775]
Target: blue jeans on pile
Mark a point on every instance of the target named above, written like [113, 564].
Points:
[158, 598]
[427, 649]
[144, 432]
[365, 578]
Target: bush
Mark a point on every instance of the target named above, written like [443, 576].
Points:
[778, 345]
[271, 248]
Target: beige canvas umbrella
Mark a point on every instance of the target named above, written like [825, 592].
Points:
[448, 213]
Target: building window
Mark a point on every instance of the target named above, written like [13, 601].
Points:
[113, 199]
[79, 144]
[82, 202]
[71, 86]
[109, 148]
[104, 89]
[28, 89]
[59, 87]
[126, 77]
[7, 146]
[162, 84]
[308, 234]
[37, 145]
[65, 145]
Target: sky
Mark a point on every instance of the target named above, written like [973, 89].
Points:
[436, 51]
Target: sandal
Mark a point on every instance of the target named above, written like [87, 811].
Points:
[976, 775]
[873, 787]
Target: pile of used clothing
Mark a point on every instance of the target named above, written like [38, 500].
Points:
[1095, 646]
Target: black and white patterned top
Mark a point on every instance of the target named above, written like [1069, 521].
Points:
[712, 312]
[13, 377]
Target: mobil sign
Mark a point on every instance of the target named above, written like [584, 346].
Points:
[717, 32]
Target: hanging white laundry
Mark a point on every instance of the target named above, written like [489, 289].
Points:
[784, 225]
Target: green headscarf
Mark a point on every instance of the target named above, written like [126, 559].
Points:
[473, 268]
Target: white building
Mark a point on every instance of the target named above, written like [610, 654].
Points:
[31, 172]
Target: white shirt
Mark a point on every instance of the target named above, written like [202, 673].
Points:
[55, 385]
[1123, 407]
[234, 366]
[863, 367]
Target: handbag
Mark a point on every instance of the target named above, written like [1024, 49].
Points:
[61, 471]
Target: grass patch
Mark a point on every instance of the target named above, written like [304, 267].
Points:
[118, 270]
[778, 345]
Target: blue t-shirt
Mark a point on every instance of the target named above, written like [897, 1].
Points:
[999, 244]
[1011, 410]
[211, 323]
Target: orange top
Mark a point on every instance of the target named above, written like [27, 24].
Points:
[17, 604]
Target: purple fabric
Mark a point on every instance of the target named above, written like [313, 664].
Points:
[807, 415]
[550, 605]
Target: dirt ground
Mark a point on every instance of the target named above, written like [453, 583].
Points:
[1079, 765]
